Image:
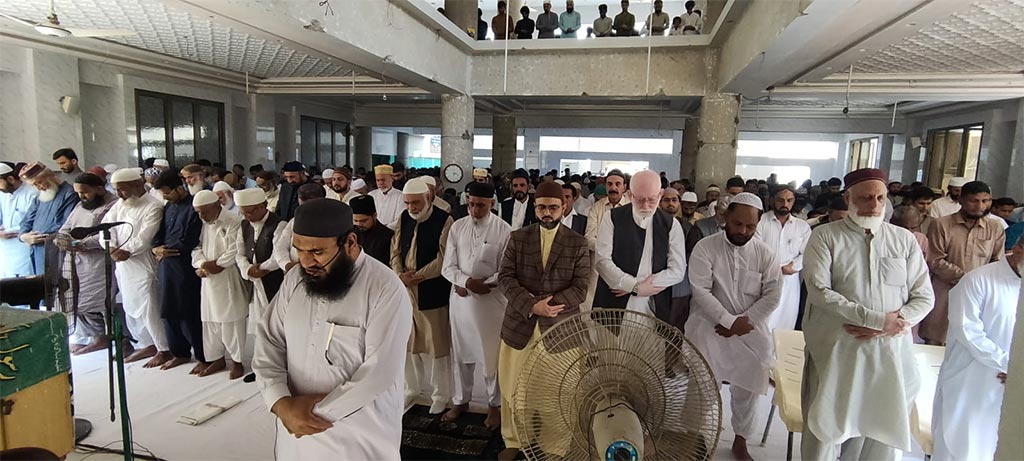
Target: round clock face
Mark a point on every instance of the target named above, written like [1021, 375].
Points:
[453, 173]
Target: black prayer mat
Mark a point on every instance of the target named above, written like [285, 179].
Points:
[426, 437]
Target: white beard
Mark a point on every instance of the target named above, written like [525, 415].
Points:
[871, 223]
[48, 195]
[230, 203]
[132, 202]
[194, 189]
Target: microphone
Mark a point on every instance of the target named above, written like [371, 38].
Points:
[80, 233]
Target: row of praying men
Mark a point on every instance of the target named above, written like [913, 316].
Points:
[183, 294]
[568, 23]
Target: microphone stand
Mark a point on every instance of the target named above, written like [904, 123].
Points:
[115, 354]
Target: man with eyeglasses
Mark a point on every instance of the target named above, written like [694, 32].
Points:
[331, 346]
[636, 280]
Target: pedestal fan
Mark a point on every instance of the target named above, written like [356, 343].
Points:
[616, 385]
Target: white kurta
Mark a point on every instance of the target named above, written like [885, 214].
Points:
[15, 256]
[968, 397]
[223, 297]
[331, 194]
[364, 336]
[284, 252]
[389, 205]
[864, 388]
[944, 206]
[788, 242]
[729, 282]
[259, 302]
[518, 214]
[348, 196]
[618, 279]
[567, 220]
[136, 276]
[475, 250]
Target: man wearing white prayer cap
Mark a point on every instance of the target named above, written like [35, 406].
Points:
[359, 186]
[226, 196]
[328, 178]
[688, 207]
[950, 203]
[736, 285]
[135, 266]
[258, 234]
[431, 183]
[224, 297]
[161, 163]
[417, 256]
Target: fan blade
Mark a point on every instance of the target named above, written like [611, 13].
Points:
[19, 20]
[99, 32]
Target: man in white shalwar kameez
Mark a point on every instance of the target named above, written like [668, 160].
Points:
[224, 301]
[476, 245]
[254, 251]
[135, 266]
[284, 253]
[969, 394]
[787, 236]
[386, 198]
[736, 285]
[16, 196]
[330, 350]
[641, 251]
[867, 284]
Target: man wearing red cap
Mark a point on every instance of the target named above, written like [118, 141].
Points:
[47, 213]
[867, 285]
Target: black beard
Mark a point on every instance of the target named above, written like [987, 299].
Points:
[782, 212]
[334, 284]
[549, 224]
[519, 195]
[93, 204]
[737, 239]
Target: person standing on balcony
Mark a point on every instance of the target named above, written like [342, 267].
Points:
[603, 24]
[547, 22]
[569, 21]
[524, 27]
[625, 22]
[501, 23]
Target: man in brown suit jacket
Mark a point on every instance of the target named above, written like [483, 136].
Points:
[544, 274]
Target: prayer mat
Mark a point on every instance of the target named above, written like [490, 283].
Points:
[426, 437]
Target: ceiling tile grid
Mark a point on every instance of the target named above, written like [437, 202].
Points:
[181, 35]
[985, 37]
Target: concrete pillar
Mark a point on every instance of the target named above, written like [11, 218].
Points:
[1015, 182]
[47, 77]
[457, 117]
[531, 146]
[463, 14]
[885, 153]
[912, 158]
[688, 154]
[1011, 420]
[260, 149]
[717, 133]
[364, 148]
[402, 148]
[503, 144]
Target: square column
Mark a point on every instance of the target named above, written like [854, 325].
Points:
[717, 132]
[457, 119]
[364, 149]
[503, 144]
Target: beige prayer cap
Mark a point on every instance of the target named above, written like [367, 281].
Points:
[250, 197]
[126, 175]
[428, 180]
[748, 199]
[161, 162]
[221, 186]
[5, 169]
[203, 198]
[415, 186]
[479, 172]
[957, 182]
[358, 184]
[383, 169]
[688, 197]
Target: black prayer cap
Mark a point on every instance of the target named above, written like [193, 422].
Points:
[481, 189]
[323, 217]
[362, 204]
[293, 166]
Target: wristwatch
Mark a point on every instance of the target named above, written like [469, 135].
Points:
[636, 287]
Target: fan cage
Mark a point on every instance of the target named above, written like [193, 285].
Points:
[577, 367]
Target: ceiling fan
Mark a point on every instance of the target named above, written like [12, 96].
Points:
[53, 28]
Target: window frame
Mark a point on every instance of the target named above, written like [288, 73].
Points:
[169, 100]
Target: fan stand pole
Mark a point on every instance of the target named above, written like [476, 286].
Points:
[116, 333]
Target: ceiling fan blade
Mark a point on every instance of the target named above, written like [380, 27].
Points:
[99, 32]
[19, 20]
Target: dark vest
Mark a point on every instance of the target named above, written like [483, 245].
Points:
[376, 242]
[627, 249]
[579, 224]
[433, 293]
[508, 205]
[261, 248]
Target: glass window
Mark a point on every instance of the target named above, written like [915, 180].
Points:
[179, 129]
[952, 152]
[863, 153]
[323, 143]
[606, 145]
